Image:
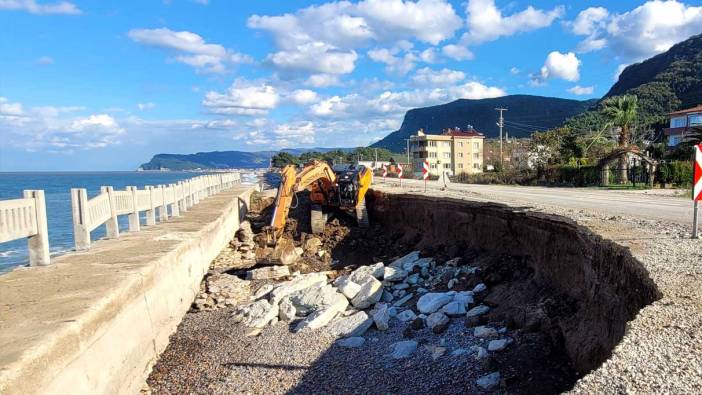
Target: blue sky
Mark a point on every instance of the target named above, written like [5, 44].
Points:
[104, 85]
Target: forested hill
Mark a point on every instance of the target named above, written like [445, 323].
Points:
[539, 111]
[666, 82]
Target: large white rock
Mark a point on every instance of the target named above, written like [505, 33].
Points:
[406, 262]
[377, 270]
[436, 319]
[394, 274]
[354, 325]
[287, 310]
[464, 297]
[406, 316]
[381, 316]
[351, 342]
[348, 287]
[268, 272]
[296, 284]
[313, 298]
[477, 310]
[324, 315]
[432, 301]
[257, 314]
[489, 381]
[402, 349]
[454, 309]
[484, 331]
[369, 294]
[497, 345]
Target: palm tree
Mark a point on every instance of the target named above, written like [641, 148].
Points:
[621, 110]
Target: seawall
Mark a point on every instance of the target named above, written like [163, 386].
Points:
[95, 321]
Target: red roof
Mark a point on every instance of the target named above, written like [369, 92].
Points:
[462, 133]
[695, 109]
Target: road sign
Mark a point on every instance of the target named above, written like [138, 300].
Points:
[696, 189]
[399, 170]
[385, 171]
[425, 170]
[697, 183]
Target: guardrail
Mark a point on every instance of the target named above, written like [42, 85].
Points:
[158, 202]
[26, 218]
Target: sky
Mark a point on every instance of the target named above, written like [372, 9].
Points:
[104, 85]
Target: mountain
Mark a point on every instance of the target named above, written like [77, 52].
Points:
[222, 159]
[666, 82]
[525, 113]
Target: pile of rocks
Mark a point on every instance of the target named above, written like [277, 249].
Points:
[244, 243]
[222, 290]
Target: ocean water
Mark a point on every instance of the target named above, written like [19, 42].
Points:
[57, 188]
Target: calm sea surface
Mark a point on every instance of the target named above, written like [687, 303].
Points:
[57, 188]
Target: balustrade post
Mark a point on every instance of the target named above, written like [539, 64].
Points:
[81, 232]
[134, 225]
[39, 243]
[151, 213]
[111, 226]
[163, 210]
[175, 210]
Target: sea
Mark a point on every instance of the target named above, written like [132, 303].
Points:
[57, 189]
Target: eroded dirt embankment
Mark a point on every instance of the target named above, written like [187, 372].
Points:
[570, 282]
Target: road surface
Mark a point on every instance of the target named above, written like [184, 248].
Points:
[614, 202]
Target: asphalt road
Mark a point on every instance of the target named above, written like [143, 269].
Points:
[614, 202]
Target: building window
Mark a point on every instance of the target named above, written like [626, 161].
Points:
[476, 165]
[447, 155]
[476, 145]
[460, 143]
[460, 165]
[432, 143]
[447, 165]
[678, 122]
[433, 165]
[432, 154]
[460, 154]
[695, 119]
[476, 155]
[446, 144]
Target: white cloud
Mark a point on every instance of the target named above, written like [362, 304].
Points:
[486, 22]
[45, 60]
[191, 48]
[457, 52]
[427, 76]
[243, 98]
[8, 108]
[303, 96]
[332, 106]
[581, 90]
[31, 6]
[316, 57]
[146, 106]
[514, 71]
[394, 64]
[322, 80]
[561, 65]
[428, 55]
[647, 30]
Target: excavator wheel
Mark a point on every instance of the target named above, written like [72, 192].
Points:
[318, 219]
[362, 214]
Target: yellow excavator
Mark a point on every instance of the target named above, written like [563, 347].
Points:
[343, 188]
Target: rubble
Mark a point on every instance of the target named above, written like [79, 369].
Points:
[268, 272]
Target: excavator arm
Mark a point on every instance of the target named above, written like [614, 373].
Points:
[311, 176]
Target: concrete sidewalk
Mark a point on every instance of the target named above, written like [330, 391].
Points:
[95, 321]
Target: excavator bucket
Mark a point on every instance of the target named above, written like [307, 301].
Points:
[283, 253]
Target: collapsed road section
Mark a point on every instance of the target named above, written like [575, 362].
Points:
[438, 295]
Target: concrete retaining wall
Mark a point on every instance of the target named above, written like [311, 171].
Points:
[95, 322]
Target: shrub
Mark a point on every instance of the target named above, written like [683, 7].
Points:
[678, 173]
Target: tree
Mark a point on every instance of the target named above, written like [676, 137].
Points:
[282, 159]
[621, 110]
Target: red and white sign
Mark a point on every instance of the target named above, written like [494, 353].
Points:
[425, 169]
[399, 170]
[385, 170]
[697, 183]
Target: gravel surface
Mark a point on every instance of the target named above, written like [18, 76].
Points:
[209, 354]
[662, 349]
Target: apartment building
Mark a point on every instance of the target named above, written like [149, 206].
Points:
[454, 151]
[681, 123]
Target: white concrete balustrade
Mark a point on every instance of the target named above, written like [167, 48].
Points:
[157, 202]
[26, 218]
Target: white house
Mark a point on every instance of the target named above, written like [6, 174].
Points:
[681, 122]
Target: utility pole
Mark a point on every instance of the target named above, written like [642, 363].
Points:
[375, 165]
[408, 141]
[501, 124]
